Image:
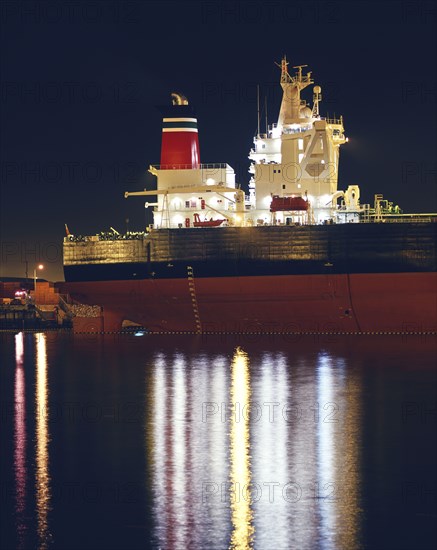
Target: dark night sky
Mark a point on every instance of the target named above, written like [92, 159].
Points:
[80, 82]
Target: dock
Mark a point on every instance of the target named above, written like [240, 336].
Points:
[43, 308]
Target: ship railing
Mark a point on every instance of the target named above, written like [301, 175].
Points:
[63, 304]
[295, 130]
[215, 166]
[64, 300]
[106, 236]
[404, 218]
[335, 121]
[370, 216]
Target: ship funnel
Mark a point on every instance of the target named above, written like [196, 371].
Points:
[180, 141]
[179, 99]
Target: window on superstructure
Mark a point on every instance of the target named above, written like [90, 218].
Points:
[187, 204]
[193, 204]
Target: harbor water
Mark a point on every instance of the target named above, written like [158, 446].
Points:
[120, 442]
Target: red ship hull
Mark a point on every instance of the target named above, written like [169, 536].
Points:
[400, 302]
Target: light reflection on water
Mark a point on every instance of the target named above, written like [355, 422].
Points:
[185, 453]
[327, 479]
[234, 447]
[20, 437]
[338, 447]
[272, 464]
[274, 457]
[42, 476]
[239, 444]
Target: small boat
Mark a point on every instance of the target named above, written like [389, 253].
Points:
[206, 223]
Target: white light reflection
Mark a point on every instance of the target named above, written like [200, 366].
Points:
[241, 511]
[178, 503]
[20, 441]
[43, 490]
[235, 451]
[269, 429]
[217, 433]
[338, 440]
[187, 452]
[327, 479]
[284, 447]
[159, 443]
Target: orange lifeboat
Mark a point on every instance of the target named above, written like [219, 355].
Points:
[206, 223]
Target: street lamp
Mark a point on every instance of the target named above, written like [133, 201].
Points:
[40, 266]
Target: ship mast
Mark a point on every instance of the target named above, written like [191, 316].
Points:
[292, 86]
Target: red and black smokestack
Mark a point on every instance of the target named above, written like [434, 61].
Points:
[180, 141]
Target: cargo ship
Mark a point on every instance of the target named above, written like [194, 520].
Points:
[295, 255]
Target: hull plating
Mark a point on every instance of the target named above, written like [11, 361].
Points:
[337, 303]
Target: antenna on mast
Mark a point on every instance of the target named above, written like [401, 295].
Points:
[265, 107]
[317, 98]
[257, 100]
[285, 77]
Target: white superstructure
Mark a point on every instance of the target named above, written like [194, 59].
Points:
[299, 157]
[296, 159]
